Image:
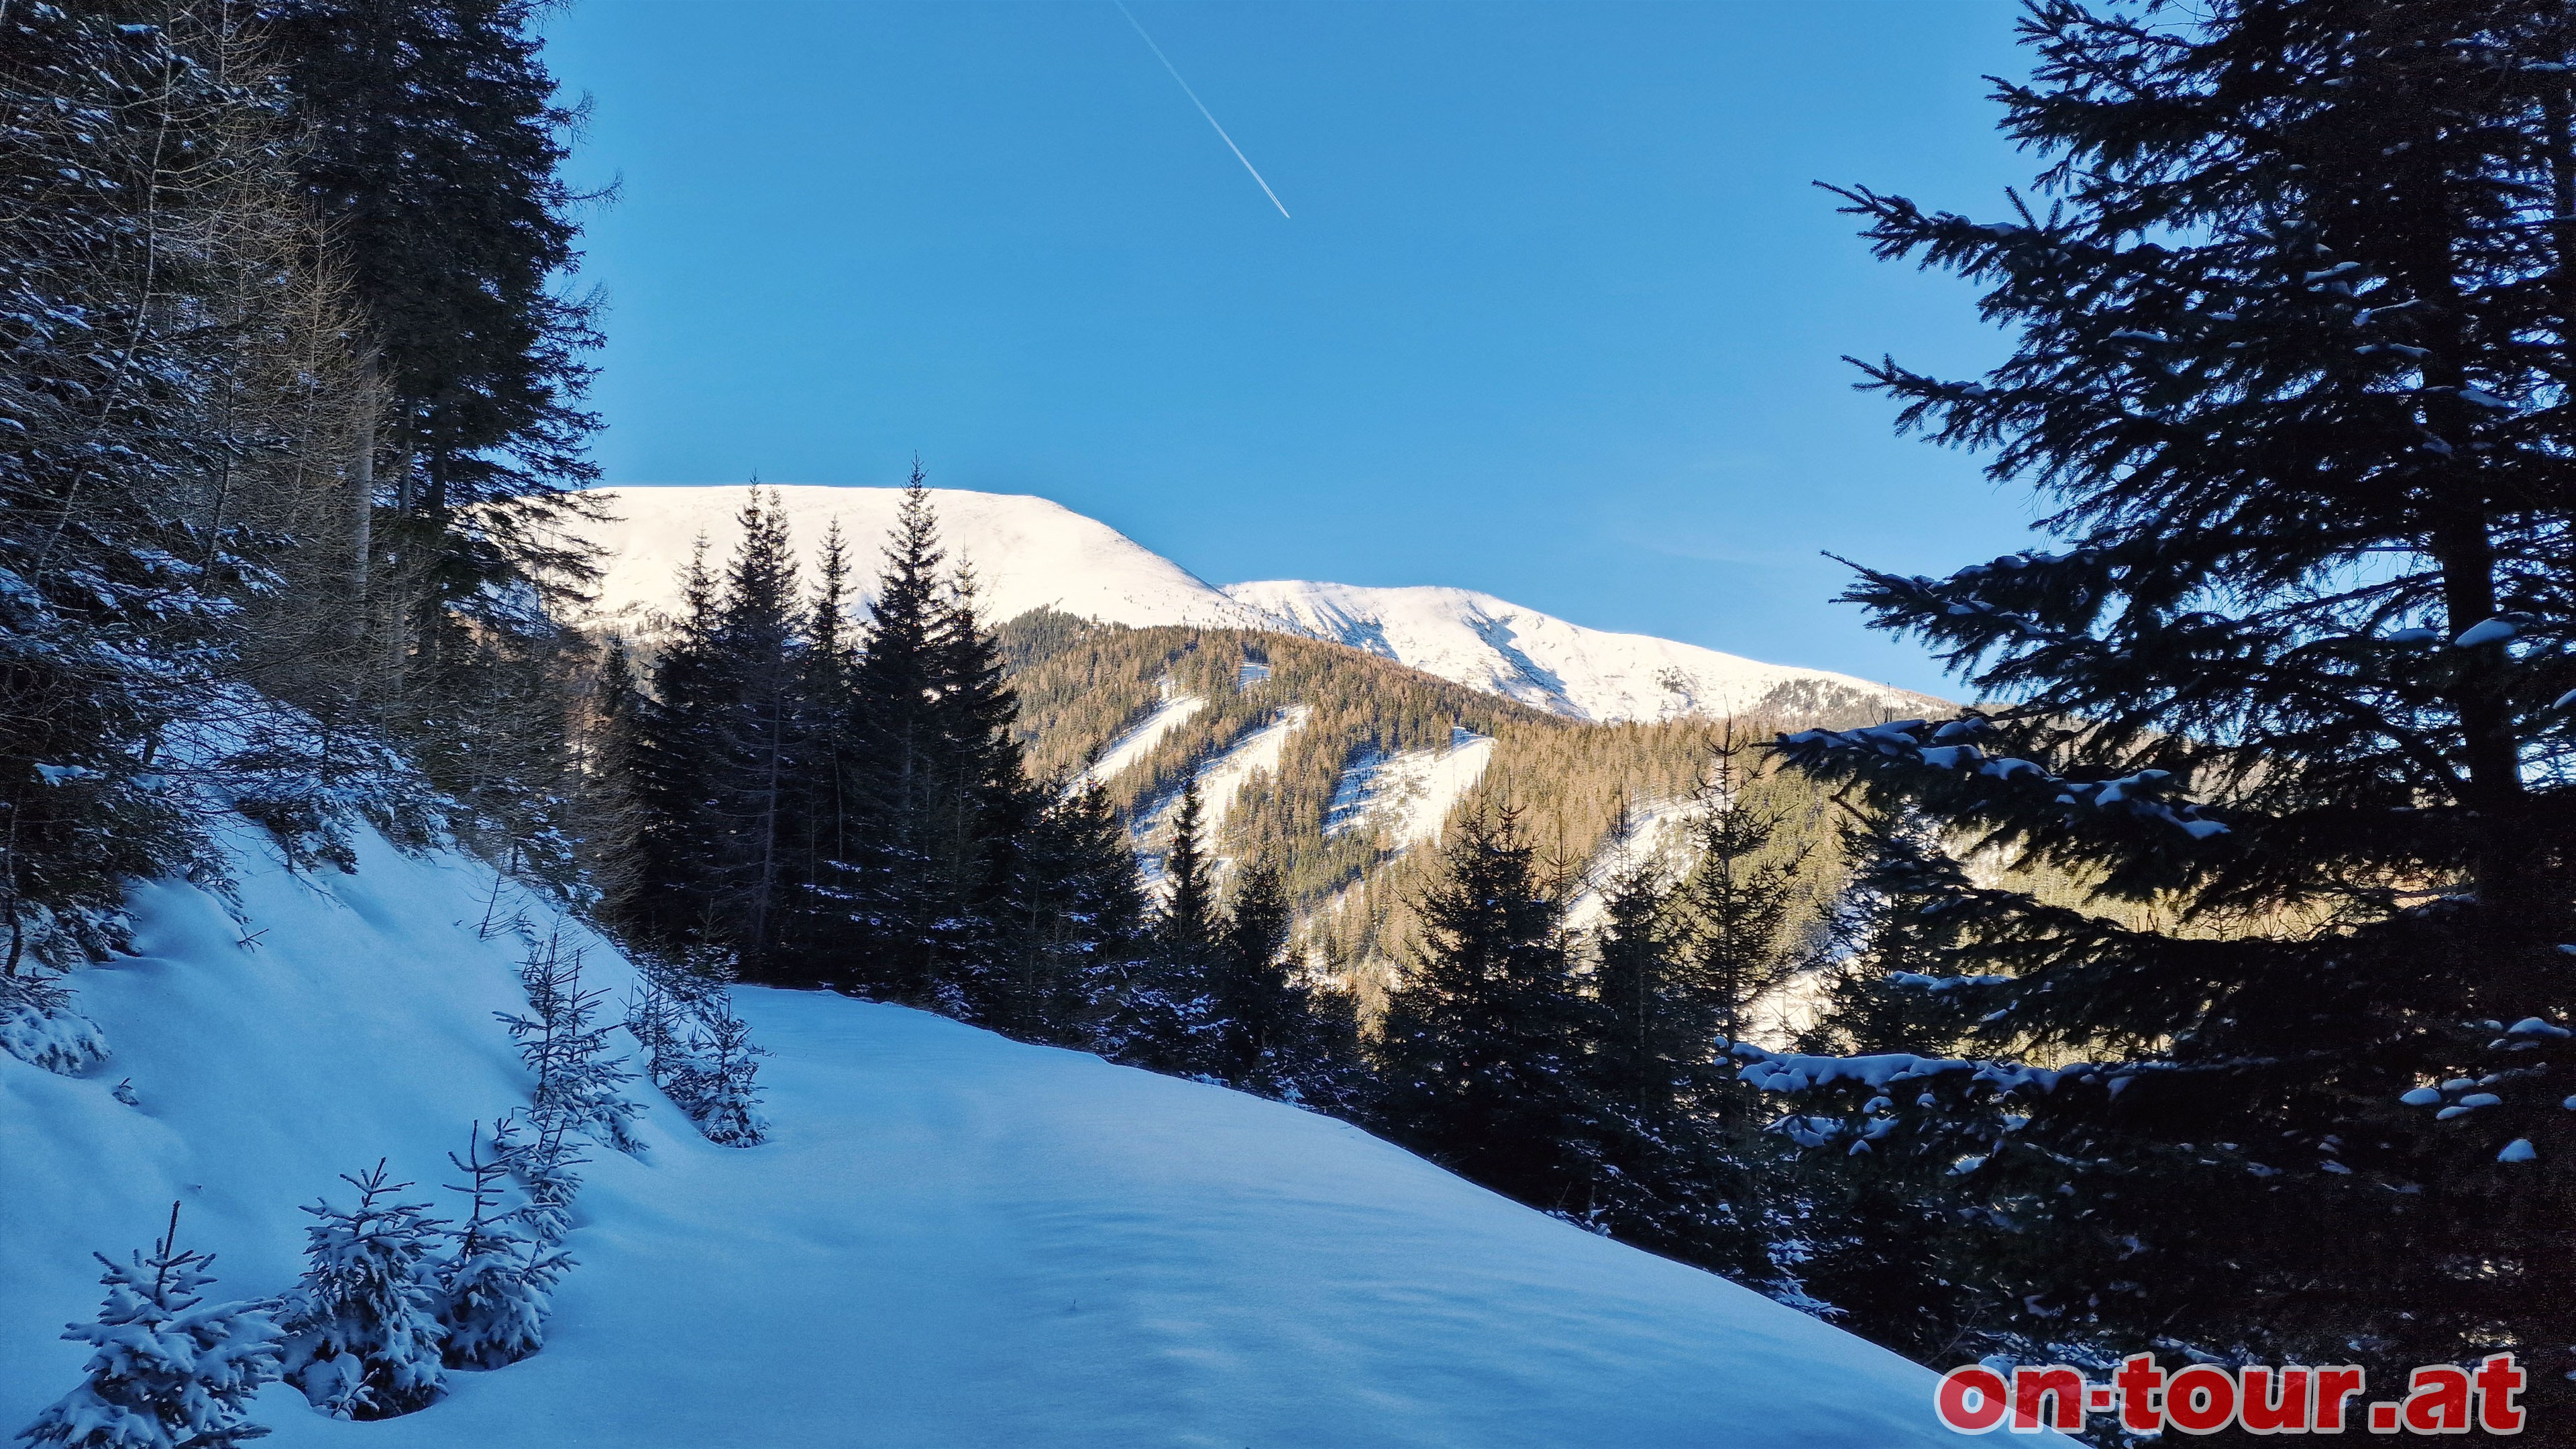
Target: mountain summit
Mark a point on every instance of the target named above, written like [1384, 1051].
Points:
[1030, 553]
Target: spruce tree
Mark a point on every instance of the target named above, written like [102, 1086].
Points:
[1740, 944]
[762, 743]
[984, 804]
[1258, 1012]
[579, 1087]
[2287, 699]
[824, 844]
[1481, 1045]
[364, 1340]
[1683, 1161]
[1074, 931]
[670, 763]
[169, 1368]
[496, 1285]
[432, 147]
[153, 276]
[1170, 1016]
[893, 738]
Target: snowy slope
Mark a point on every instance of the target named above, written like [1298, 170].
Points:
[952, 1240]
[1027, 553]
[1140, 739]
[1490, 644]
[1406, 798]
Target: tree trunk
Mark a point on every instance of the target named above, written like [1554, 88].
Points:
[362, 494]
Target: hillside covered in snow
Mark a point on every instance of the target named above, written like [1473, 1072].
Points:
[950, 1239]
[1544, 662]
[1028, 553]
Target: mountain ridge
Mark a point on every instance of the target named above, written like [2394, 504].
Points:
[1028, 553]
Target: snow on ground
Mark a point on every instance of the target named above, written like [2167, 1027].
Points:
[1223, 780]
[953, 1239]
[1140, 738]
[1027, 552]
[1408, 796]
[1654, 830]
[1490, 644]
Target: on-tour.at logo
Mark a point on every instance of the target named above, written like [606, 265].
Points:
[2205, 1398]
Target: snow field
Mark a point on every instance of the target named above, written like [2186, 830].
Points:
[953, 1239]
[1501, 648]
[1408, 796]
[1141, 737]
[1027, 553]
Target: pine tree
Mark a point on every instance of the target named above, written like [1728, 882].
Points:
[495, 1287]
[893, 736]
[2288, 700]
[669, 763]
[1170, 1015]
[1258, 1012]
[1480, 1047]
[169, 1368]
[761, 745]
[579, 1087]
[364, 1340]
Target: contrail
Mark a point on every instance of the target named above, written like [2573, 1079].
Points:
[1203, 110]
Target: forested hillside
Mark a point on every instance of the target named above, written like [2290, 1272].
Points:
[1303, 746]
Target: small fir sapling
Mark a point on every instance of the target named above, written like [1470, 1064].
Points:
[495, 1288]
[697, 1051]
[168, 1369]
[543, 1162]
[364, 1337]
[579, 1086]
[728, 1102]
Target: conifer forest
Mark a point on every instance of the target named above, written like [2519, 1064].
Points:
[2194, 975]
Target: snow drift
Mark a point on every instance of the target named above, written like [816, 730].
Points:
[952, 1239]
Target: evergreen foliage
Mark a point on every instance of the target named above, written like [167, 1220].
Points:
[697, 1050]
[1481, 1045]
[2288, 700]
[363, 1334]
[170, 367]
[579, 1087]
[169, 1369]
[495, 1287]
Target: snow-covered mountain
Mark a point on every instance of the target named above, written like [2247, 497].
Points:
[1027, 553]
[951, 1239]
[1591, 674]
[1030, 553]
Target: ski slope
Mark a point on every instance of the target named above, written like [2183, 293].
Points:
[1139, 740]
[1407, 797]
[952, 1240]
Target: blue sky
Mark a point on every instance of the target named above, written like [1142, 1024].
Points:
[1558, 316]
